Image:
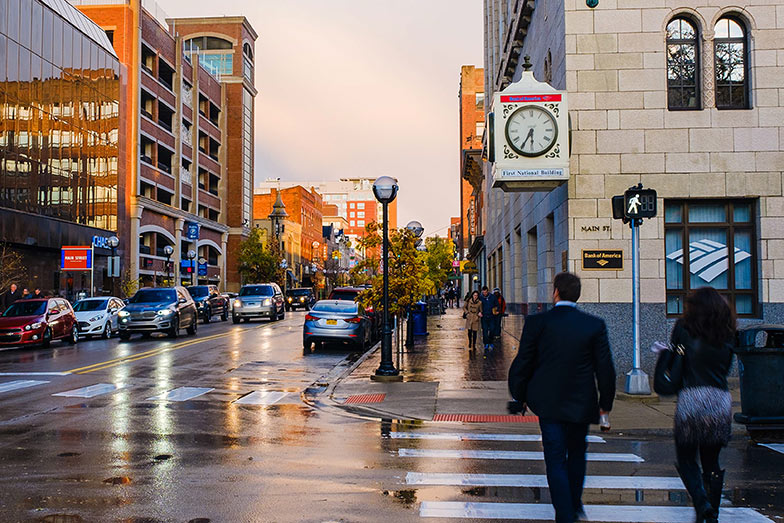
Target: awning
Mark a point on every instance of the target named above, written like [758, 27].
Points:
[291, 275]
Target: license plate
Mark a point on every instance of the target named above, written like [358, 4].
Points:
[332, 322]
[251, 304]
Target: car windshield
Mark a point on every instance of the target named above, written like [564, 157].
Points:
[154, 296]
[198, 292]
[90, 305]
[299, 292]
[335, 306]
[344, 295]
[26, 308]
[257, 290]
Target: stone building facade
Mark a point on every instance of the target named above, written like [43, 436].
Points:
[684, 96]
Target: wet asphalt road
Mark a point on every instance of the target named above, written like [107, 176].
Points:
[130, 454]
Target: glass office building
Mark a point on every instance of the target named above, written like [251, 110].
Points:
[59, 139]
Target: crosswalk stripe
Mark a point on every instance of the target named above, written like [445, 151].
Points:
[88, 392]
[34, 373]
[182, 394]
[261, 397]
[450, 436]
[19, 384]
[509, 454]
[624, 513]
[540, 480]
[778, 447]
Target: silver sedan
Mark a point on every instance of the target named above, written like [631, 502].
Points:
[336, 320]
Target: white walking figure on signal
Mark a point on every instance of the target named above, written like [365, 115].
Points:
[634, 203]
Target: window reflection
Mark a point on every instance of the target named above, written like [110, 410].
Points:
[59, 116]
[731, 62]
[682, 65]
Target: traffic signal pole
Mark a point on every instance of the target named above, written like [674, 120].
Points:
[636, 379]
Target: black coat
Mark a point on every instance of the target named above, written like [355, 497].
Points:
[564, 354]
[9, 298]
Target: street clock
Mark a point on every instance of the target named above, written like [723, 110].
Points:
[529, 136]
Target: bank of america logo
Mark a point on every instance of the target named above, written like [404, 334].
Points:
[708, 259]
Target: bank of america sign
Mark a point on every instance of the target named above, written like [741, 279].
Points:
[708, 259]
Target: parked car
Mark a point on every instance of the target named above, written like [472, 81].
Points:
[209, 302]
[336, 320]
[159, 309]
[98, 316]
[352, 294]
[230, 296]
[38, 322]
[259, 301]
[296, 298]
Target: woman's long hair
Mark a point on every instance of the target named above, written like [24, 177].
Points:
[708, 316]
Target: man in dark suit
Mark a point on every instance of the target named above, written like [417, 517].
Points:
[10, 296]
[564, 353]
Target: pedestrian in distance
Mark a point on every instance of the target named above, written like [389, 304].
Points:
[489, 311]
[696, 368]
[10, 296]
[26, 294]
[501, 312]
[471, 311]
[564, 355]
[37, 293]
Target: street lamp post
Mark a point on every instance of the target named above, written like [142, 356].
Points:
[114, 242]
[415, 227]
[168, 251]
[191, 255]
[385, 190]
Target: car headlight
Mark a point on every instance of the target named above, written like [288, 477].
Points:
[123, 314]
[302, 299]
[289, 298]
[267, 302]
[33, 326]
[95, 318]
[165, 312]
[237, 303]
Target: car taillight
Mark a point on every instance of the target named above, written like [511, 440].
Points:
[369, 310]
[308, 317]
[353, 320]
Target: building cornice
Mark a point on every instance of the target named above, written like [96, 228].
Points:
[173, 212]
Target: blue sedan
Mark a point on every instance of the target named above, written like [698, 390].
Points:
[336, 320]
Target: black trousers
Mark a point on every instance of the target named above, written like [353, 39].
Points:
[708, 455]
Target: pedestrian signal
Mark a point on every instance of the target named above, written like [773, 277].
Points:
[639, 203]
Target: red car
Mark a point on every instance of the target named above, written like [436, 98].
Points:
[38, 322]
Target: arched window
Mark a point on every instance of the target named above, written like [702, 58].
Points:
[247, 51]
[683, 65]
[732, 64]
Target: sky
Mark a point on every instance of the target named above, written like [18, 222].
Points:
[360, 88]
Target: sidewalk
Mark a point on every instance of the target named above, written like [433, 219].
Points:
[443, 381]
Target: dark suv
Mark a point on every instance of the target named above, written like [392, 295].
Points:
[158, 309]
[299, 298]
[209, 302]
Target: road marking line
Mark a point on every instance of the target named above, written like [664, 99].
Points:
[88, 392]
[510, 454]
[479, 437]
[778, 447]
[182, 394]
[8, 386]
[34, 373]
[623, 513]
[261, 397]
[540, 480]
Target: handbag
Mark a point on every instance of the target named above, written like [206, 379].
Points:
[465, 315]
[668, 376]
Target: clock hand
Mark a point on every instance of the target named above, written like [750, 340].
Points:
[529, 135]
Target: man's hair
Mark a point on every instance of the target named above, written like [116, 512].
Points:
[568, 286]
[484, 288]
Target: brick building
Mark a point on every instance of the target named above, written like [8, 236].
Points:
[684, 97]
[191, 159]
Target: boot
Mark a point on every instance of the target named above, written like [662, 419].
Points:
[692, 480]
[714, 483]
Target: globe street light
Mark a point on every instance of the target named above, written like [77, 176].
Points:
[191, 255]
[385, 190]
[168, 251]
[416, 228]
[114, 242]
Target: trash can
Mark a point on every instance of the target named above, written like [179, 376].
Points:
[419, 318]
[760, 351]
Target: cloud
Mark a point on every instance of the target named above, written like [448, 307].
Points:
[361, 88]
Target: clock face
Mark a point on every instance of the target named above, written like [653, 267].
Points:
[531, 130]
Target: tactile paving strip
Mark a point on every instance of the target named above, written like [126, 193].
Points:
[486, 418]
[365, 398]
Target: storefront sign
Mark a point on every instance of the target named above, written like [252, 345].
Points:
[76, 258]
[101, 242]
[455, 263]
[468, 267]
[603, 260]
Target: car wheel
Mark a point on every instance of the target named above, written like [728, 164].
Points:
[192, 327]
[225, 315]
[46, 338]
[207, 314]
[74, 337]
[125, 336]
[282, 314]
[235, 319]
[247, 320]
[107, 330]
[174, 330]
